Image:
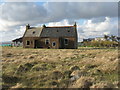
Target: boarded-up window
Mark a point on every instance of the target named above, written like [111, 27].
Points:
[28, 42]
[66, 41]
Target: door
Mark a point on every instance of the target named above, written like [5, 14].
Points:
[61, 41]
[36, 44]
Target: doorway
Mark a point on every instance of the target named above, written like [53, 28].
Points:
[36, 44]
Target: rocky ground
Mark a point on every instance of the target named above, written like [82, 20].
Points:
[61, 68]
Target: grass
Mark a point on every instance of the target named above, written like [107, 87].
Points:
[51, 68]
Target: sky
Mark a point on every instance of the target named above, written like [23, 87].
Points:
[94, 19]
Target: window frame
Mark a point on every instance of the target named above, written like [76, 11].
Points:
[53, 42]
[27, 42]
[48, 41]
[65, 41]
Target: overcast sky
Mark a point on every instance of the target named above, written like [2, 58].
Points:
[94, 19]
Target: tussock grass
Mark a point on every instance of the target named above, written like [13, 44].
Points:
[61, 68]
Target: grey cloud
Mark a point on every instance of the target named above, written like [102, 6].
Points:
[99, 19]
[78, 10]
[57, 11]
[23, 11]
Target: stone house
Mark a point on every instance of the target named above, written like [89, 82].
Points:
[57, 37]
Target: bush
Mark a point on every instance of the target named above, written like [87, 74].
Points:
[101, 44]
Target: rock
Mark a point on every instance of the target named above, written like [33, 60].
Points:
[74, 68]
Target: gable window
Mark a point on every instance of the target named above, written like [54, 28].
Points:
[47, 41]
[28, 43]
[66, 41]
[53, 44]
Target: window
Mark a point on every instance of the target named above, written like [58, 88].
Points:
[33, 32]
[53, 44]
[28, 43]
[68, 30]
[66, 41]
[47, 41]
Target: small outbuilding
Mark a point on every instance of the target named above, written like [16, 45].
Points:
[17, 42]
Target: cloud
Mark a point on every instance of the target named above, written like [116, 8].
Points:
[16, 15]
[97, 29]
[92, 29]
[64, 22]
[56, 11]
[61, 0]
[22, 11]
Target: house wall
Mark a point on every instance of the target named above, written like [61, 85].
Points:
[32, 43]
[51, 40]
[71, 43]
[17, 44]
[76, 38]
[42, 44]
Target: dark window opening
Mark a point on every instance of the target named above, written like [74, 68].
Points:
[33, 32]
[66, 41]
[57, 30]
[47, 42]
[28, 42]
[68, 30]
[53, 44]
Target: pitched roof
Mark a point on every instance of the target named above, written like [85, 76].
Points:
[59, 31]
[18, 39]
[67, 31]
[33, 32]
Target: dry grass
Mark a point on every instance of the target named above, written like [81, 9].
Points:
[43, 68]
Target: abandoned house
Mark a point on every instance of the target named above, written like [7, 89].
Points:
[60, 37]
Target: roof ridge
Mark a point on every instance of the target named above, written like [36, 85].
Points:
[58, 26]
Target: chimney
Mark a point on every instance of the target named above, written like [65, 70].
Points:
[27, 26]
[75, 24]
[44, 26]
